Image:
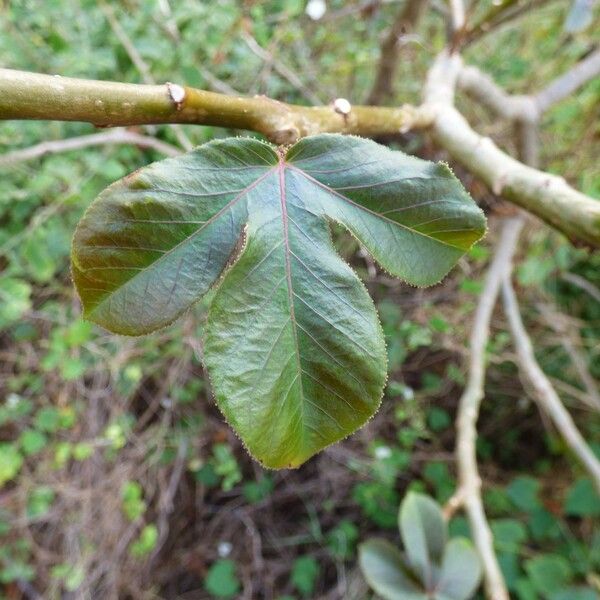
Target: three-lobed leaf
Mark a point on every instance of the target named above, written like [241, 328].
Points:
[293, 344]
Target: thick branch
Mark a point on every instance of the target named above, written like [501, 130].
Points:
[547, 196]
[34, 96]
[545, 394]
[468, 410]
[405, 21]
[115, 136]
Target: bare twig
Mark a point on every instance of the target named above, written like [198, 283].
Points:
[582, 283]
[545, 394]
[547, 196]
[280, 68]
[566, 332]
[468, 410]
[566, 84]
[405, 21]
[140, 64]
[499, 14]
[115, 136]
[482, 88]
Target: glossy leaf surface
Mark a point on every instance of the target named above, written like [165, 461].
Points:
[293, 344]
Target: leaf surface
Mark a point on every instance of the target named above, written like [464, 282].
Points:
[383, 567]
[424, 535]
[293, 344]
[461, 571]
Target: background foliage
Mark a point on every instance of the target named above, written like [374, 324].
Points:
[118, 475]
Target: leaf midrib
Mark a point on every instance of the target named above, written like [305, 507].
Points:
[288, 273]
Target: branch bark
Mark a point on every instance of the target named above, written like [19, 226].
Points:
[35, 96]
[545, 394]
[546, 196]
[468, 410]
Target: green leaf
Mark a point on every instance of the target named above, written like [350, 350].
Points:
[383, 567]
[14, 300]
[461, 570]
[548, 573]
[582, 499]
[293, 344]
[575, 593]
[523, 493]
[304, 574]
[221, 580]
[146, 541]
[509, 534]
[11, 461]
[32, 441]
[424, 535]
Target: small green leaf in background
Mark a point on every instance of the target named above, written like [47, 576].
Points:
[14, 300]
[39, 502]
[11, 461]
[575, 593]
[132, 500]
[523, 493]
[146, 541]
[221, 580]
[342, 538]
[226, 466]
[438, 419]
[72, 576]
[293, 344]
[548, 573]
[305, 571]
[255, 491]
[32, 441]
[582, 499]
[509, 535]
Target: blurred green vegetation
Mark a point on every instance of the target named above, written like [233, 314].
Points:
[120, 479]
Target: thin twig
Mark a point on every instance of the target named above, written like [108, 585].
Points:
[468, 410]
[406, 21]
[569, 82]
[545, 394]
[115, 136]
[582, 283]
[280, 68]
[139, 63]
[566, 332]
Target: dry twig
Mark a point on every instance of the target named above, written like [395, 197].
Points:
[546, 395]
